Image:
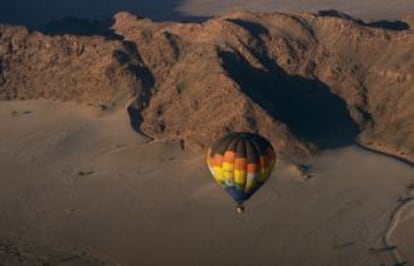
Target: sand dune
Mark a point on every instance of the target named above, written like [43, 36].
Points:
[75, 192]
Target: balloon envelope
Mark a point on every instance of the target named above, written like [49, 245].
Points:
[241, 163]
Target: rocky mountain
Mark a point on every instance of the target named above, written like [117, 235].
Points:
[306, 82]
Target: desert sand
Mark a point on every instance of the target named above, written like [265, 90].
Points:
[104, 127]
[81, 188]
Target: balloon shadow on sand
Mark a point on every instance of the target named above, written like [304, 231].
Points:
[307, 106]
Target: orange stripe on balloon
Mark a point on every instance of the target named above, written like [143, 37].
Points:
[229, 156]
[218, 160]
[211, 161]
[251, 168]
[240, 164]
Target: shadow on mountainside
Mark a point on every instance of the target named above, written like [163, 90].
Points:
[131, 58]
[381, 24]
[307, 106]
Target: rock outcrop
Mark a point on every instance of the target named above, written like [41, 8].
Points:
[306, 81]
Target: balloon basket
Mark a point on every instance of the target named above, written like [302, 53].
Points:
[240, 209]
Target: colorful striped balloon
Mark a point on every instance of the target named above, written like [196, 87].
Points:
[241, 163]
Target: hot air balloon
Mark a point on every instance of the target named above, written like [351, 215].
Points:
[241, 163]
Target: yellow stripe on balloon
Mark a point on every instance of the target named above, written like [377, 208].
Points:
[218, 174]
[240, 177]
[228, 167]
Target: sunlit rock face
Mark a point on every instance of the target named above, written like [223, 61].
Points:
[306, 82]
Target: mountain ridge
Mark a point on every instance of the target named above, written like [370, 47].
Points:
[306, 82]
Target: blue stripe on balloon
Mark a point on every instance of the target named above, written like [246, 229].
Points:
[237, 195]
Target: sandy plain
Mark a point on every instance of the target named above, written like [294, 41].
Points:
[79, 188]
